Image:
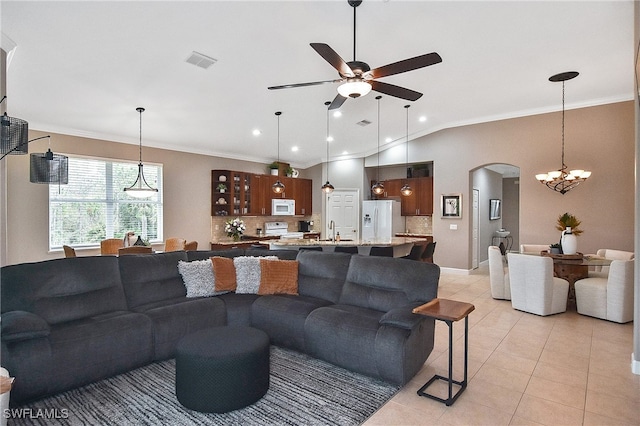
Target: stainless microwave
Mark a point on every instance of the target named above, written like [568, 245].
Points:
[283, 207]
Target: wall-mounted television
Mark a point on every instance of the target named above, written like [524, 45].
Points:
[494, 209]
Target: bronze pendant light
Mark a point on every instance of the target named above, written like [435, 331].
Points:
[278, 187]
[140, 188]
[378, 187]
[327, 188]
[406, 189]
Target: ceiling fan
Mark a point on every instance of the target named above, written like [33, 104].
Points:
[358, 78]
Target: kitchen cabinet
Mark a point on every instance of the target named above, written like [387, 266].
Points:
[420, 202]
[230, 193]
[250, 194]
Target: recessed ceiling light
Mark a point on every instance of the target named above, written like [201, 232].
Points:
[387, 140]
[294, 148]
[337, 114]
[344, 152]
[422, 119]
[256, 132]
[329, 138]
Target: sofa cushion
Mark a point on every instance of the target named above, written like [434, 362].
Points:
[238, 307]
[207, 254]
[248, 273]
[198, 278]
[278, 277]
[382, 283]
[322, 274]
[281, 254]
[224, 274]
[63, 290]
[149, 278]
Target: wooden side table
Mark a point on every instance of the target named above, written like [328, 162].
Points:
[448, 311]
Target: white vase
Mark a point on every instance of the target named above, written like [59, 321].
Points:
[569, 242]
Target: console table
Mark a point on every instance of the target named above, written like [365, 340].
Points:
[448, 311]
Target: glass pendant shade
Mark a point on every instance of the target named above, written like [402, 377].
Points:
[327, 188]
[278, 187]
[406, 190]
[377, 188]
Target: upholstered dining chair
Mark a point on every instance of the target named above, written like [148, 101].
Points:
[534, 289]
[533, 248]
[609, 298]
[69, 251]
[191, 245]
[416, 252]
[427, 254]
[110, 246]
[498, 274]
[134, 250]
[381, 251]
[346, 249]
[174, 244]
[603, 271]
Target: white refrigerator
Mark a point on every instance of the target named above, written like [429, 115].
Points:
[381, 220]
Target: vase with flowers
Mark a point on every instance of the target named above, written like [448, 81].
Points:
[568, 224]
[235, 228]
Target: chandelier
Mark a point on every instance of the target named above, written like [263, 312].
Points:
[561, 180]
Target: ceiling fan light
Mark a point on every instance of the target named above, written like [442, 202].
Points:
[354, 88]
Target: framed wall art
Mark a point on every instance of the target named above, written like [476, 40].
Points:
[494, 209]
[451, 205]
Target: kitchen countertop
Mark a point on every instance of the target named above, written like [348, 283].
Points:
[409, 234]
[299, 242]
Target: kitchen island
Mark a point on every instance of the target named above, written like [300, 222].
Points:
[401, 246]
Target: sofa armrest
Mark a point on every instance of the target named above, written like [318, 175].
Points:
[23, 325]
[402, 317]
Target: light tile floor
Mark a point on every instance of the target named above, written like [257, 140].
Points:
[564, 369]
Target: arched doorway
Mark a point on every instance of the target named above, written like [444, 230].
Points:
[496, 190]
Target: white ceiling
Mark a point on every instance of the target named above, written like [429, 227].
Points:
[81, 68]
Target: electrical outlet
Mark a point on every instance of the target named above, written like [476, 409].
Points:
[453, 227]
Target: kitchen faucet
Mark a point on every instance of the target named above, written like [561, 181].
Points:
[332, 226]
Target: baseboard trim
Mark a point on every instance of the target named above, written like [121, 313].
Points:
[635, 365]
[455, 271]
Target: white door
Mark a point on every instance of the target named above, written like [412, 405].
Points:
[343, 208]
[475, 244]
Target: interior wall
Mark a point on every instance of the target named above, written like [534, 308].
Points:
[187, 192]
[511, 209]
[489, 186]
[3, 167]
[532, 143]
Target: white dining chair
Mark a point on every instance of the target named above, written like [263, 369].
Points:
[610, 297]
[611, 254]
[534, 289]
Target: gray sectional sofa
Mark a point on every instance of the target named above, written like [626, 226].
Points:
[70, 322]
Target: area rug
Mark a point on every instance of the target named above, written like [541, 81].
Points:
[302, 391]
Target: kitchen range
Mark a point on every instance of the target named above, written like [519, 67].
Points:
[281, 229]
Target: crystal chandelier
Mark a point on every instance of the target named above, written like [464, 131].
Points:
[561, 180]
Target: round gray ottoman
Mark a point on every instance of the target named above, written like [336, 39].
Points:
[222, 369]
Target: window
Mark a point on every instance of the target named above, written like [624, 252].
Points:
[93, 205]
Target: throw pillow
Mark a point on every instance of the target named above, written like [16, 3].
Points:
[197, 277]
[248, 273]
[278, 277]
[224, 273]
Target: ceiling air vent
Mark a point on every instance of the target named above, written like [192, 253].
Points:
[200, 60]
[363, 123]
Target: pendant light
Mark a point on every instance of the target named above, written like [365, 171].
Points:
[14, 135]
[327, 188]
[278, 187]
[559, 180]
[140, 188]
[378, 187]
[47, 167]
[406, 189]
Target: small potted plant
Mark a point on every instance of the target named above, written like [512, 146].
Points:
[221, 187]
[274, 167]
[555, 248]
[288, 171]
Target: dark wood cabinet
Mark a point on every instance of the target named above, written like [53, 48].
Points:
[250, 194]
[391, 189]
[420, 202]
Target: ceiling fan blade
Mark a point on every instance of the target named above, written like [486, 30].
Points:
[406, 65]
[393, 90]
[337, 102]
[313, 83]
[333, 58]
